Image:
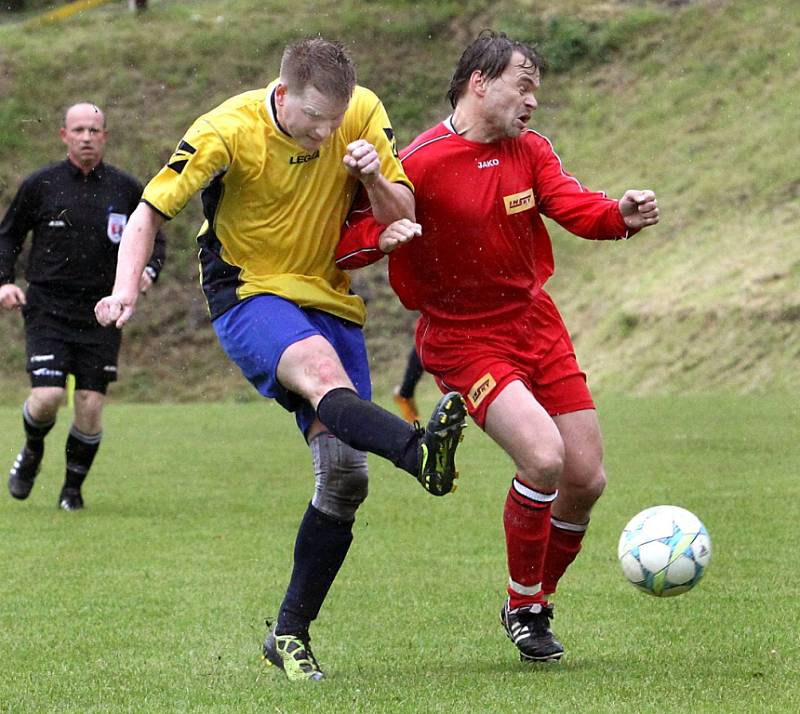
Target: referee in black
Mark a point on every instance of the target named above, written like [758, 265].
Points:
[76, 210]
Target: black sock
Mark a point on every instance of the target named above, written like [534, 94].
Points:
[367, 427]
[411, 376]
[80, 449]
[35, 431]
[319, 551]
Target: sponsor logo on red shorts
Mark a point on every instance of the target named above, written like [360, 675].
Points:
[481, 389]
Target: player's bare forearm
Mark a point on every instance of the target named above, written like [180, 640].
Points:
[390, 201]
[135, 249]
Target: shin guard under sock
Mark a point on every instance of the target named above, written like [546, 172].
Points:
[526, 519]
[80, 452]
[319, 551]
[562, 548]
[35, 431]
[367, 427]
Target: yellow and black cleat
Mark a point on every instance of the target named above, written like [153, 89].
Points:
[293, 655]
[437, 472]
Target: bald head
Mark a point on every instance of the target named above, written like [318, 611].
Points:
[84, 109]
[84, 134]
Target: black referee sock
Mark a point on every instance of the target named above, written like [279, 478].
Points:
[35, 431]
[80, 450]
[367, 427]
[319, 551]
[411, 376]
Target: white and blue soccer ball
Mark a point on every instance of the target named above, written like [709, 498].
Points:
[664, 550]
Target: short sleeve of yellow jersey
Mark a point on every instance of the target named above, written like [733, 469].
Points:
[201, 154]
[377, 130]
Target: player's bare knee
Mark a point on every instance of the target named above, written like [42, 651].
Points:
[311, 368]
[543, 469]
[322, 376]
[583, 489]
[43, 402]
[341, 477]
[88, 410]
[597, 484]
[330, 375]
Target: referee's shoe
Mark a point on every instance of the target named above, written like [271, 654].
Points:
[70, 499]
[23, 473]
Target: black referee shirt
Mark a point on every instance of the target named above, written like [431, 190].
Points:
[77, 223]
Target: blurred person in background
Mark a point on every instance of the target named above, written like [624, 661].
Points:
[76, 211]
[404, 394]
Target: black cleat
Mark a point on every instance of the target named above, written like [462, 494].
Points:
[23, 473]
[528, 627]
[70, 499]
[437, 471]
[292, 654]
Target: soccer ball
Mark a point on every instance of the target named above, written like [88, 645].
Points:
[664, 550]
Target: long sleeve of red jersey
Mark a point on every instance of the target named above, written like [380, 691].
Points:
[358, 245]
[560, 196]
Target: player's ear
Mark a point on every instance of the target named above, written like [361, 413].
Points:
[477, 81]
[280, 93]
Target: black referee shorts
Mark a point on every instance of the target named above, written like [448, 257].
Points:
[56, 347]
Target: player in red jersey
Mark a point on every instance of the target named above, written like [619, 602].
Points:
[474, 266]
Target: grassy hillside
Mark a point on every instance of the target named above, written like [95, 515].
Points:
[695, 100]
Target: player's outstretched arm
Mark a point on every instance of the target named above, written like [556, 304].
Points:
[135, 249]
[639, 209]
[389, 201]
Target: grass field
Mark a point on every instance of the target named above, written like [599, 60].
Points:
[153, 598]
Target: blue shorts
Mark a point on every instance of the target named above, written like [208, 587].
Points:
[255, 333]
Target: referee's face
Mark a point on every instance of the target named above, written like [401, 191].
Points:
[84, 134]
[309, 116]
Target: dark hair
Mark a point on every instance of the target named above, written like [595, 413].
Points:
[320, 63]
[490, 54]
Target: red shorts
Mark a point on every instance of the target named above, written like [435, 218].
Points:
[478, 362]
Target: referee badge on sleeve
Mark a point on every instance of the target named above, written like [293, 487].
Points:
[116, 224]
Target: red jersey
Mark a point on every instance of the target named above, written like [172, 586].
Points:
[484, 253]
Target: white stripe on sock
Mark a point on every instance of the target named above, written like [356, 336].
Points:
[564, 526]
[532, 495]
[521, 589]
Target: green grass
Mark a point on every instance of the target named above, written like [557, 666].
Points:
[153, 598]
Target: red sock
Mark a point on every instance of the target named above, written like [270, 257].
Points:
[527, 523]
[562, 548]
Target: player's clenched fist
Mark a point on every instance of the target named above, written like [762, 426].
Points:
[639, 208]
[115, 310]
[398, 233]
[362, 161]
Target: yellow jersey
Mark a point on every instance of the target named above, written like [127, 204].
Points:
[273, 210]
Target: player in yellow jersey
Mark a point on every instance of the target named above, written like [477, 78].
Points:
[279, 169]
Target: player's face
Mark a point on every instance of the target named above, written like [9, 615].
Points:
[510, 99]
[308, 115]
[85, 135]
